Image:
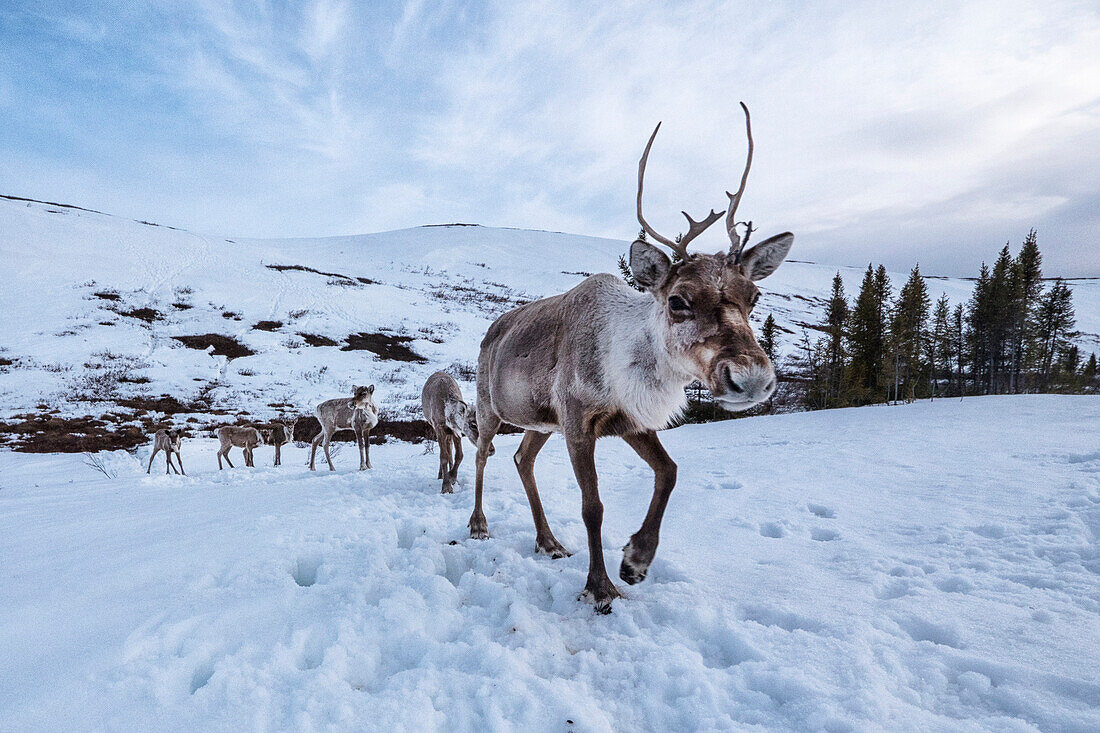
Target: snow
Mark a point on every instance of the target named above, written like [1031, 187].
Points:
[933, 566]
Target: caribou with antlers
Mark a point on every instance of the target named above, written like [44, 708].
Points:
[605, 360]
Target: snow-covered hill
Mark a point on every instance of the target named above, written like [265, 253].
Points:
[930, 567]
[93, 307]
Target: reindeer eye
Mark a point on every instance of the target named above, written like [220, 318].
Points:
[678, 304]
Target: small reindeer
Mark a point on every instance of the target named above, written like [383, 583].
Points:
[277, 435]
[450, 418]
[237, 436]
[169, 442]
[358, 414]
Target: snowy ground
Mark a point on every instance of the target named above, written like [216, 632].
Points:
[923, 567]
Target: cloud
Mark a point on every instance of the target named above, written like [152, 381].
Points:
[884, 132]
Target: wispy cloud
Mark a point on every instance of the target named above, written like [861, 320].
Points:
[930, 131]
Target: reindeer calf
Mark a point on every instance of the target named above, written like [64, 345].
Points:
[169, 442]
[235, 436]
[358, 414]
[277, 435]
[450, 418]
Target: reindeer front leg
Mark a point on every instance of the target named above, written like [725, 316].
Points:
[640, 550]
[599, 590]
[446, 460]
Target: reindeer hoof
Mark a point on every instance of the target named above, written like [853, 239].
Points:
[448, 489]
[479, 528]
[552, 549]
[635, 566]
[600, 598]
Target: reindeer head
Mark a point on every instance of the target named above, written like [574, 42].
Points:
[461, 418]
[175, 439]
[362, 398]
[705, 300]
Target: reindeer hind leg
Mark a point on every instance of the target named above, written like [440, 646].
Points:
[487, 426]
[328, 457]
[529, 447]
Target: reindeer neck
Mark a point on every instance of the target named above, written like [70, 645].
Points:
[643, 376]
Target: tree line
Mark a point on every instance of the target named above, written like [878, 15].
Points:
[1015, 334]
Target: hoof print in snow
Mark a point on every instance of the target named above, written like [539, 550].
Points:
[893, 589]
[201, 676]
[954, 584]
[919, 629]
[820, 510]
[990, 531]
[772, 529]
[824, 535]
[305, 570]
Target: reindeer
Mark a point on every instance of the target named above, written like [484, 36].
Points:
[168, 441]
[244, 437]
[278, 435]
[359, 414]
[450, 418]
[605, 360]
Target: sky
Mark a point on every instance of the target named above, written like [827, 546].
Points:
[899, 133]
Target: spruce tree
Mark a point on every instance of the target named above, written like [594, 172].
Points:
[940, 346]
[768, 342]
[866, 333]
[1088, 373]
[958, 339]
[882, 298]
[836, 319]
[1027, 272]
[1055, 321]
[908, 333]
[978, 329]
[1002, 297]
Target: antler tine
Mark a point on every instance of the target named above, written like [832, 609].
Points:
[641, 219]
[695, 228]
[736, 244]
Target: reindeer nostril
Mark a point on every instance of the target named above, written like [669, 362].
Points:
[771, 385]
[734, 386]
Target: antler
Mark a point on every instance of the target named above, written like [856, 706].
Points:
[695, 228]
[737, 245]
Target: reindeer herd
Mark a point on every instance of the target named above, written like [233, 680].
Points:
[599, 360]
[444, 408]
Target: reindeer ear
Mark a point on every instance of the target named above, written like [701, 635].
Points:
[763, 259]
[649, 264]
[370, 389]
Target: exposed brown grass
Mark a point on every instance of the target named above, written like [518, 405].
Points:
[223, 345]
[385, 345]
